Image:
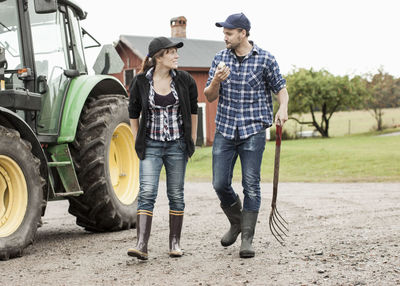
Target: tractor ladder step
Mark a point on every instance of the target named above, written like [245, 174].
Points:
[58, 164]
[62, 161]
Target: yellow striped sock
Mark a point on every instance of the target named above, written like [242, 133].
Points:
[144, 212]
[172, 212]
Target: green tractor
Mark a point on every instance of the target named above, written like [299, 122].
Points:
[64, 134]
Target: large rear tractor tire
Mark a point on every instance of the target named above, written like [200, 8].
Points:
[21, 194]
[107, 166]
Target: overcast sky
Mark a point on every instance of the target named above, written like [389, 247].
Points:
[342, 36]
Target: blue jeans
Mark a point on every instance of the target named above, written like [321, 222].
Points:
[171, 154]
[225, 153]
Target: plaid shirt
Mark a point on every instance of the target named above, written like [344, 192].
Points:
[164, 123]
[245, 101]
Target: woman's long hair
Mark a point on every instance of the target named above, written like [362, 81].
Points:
[150, 62]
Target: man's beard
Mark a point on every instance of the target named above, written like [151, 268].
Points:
[231, 46]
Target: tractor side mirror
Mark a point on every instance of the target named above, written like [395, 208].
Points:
[42, 84]
[45, 6]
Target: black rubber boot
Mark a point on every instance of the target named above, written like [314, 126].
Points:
[143, 226]
[249, 220]
[175, 228]
[234, 214]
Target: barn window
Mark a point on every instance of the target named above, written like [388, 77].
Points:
[128, 76]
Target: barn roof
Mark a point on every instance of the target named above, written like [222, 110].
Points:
[194, 53]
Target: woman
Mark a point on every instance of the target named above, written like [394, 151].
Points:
[166, 100]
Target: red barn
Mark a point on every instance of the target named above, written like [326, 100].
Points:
[195, 57]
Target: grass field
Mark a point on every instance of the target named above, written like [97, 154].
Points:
[355, 158]
[348, 122]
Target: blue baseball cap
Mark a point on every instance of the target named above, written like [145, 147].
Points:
[235, 21]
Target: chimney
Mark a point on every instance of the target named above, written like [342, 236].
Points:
[178, 27]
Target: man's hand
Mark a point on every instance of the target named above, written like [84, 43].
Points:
[282, 115]
[221, 73]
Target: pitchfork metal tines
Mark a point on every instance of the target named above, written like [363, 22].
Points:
[277, 224]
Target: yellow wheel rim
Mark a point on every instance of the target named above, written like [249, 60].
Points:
[124, 165]
[13, 196]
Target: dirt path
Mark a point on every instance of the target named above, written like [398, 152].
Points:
[340, 234]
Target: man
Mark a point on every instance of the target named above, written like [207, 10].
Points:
[242, 77]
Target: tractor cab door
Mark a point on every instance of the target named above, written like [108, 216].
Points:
[10, 41]
[59, 56]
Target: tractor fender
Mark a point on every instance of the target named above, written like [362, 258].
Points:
[11, 119]
[79, 90]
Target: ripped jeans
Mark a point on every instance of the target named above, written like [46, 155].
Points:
[225, 153]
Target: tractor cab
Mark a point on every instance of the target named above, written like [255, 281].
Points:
[64, 134]
[42, 44]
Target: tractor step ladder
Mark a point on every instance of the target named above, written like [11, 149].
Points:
[62, 161]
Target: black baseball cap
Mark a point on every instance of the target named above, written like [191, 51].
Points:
[160, 43]
[235, 21]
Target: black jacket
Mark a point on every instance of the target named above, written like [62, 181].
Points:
[139, 104]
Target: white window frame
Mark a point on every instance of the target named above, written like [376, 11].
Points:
[204, 113]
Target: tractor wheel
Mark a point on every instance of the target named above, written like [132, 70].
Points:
[107, 166]
[21, 194]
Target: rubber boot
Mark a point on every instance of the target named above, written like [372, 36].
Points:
[175, 228]
[249, 220]
[234, 214]
[143, 227]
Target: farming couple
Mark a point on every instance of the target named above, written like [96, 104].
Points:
[163, 116]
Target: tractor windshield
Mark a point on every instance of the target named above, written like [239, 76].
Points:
[49, 45]
[57, 41]
[10, 40]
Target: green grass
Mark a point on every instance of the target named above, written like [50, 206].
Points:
[348, 122]
[355, 158]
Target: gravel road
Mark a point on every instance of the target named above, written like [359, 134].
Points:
[340, 234]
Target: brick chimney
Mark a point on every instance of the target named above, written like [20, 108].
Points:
[178, 27]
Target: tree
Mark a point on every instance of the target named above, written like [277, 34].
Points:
[312, 91]
[384, 92]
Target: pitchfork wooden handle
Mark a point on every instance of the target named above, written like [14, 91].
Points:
[276, 166]
[278, 135]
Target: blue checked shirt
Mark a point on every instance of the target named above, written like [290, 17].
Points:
[164, 123]
[245, 101]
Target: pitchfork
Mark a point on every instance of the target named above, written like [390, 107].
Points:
[277, 224]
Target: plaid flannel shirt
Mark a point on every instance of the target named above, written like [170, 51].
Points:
[245, 101]
[164, 123]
